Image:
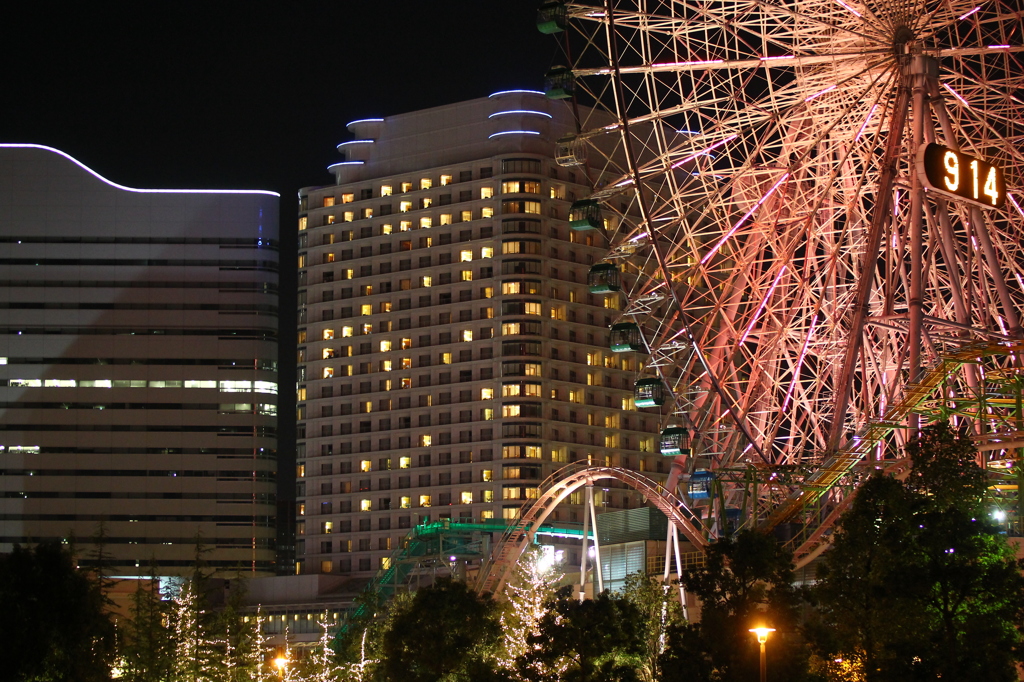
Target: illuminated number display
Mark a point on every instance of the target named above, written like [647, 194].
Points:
[960, 176]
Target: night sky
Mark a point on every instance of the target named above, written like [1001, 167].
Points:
[254, 95]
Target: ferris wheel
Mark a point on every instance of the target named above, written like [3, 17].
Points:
[808, 207]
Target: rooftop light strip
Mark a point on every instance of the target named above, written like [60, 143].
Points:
[134, 189]
[527, 112]
[513, 132]
[345, 163]
[515, 92]
[342, 144]
[731, 232]
[364, 120]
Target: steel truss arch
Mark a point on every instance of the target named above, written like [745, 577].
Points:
[555, 489]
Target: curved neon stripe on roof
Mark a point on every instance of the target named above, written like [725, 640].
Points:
[345, 163]
[514, 132]
[520, 111]
[364, 120]
[342, 144]
[512, 92]
[134, 189]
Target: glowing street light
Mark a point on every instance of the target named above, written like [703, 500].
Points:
[281, 663]
[762, 637]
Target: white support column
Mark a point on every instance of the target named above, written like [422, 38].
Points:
[583, 554]
[679, 572]
[597, 544]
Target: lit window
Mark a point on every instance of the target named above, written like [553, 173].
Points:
[328, 258]
[510, 389]
[486, 192]
[404, 462]
[366, 309]
[326, 566]
[405, 226]
[367, 328]
[446, 219]
[488, 413]
[385, 346]
[425, 441]
[328, 201]
[385, 365]
[385, 562]
[406, 344]
[406, 382]
[385, 190]
[405, 503]
[446, 358]
[593, 359]
[488, 292]
[303, 222]
[328, 353]
[328, 527]
[426, 281]
[486, 393]
[426, 223]
[406, 363]
[531, 369]
[346, 331]
[532, 308]
[486, 212]
[510, 410]
[446, 180]
[426, 183]
[385, 229]
[487, 252]
[628, 404]
[329, 220]
[328, 334]
[406, 187]
[365, 505]
[424, 500]
[366, 407]
[511, 287]
[510, 328]
[350, 216]
[404, 206]
[328, 373]
[465, 256]
[466, 497]
[467, 334]
[466, 216]
[348, 198]
[425, 202]
[345, 370]
[365, 465]
[385, 306]
[367, 213]
[466, 275]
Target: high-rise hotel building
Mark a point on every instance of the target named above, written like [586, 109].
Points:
[138, 367]
[451, 355]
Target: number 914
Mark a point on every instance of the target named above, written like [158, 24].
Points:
[963, 177]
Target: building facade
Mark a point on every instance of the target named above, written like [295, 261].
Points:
[138, 367]
[451, 355]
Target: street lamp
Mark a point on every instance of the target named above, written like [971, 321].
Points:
[281, 663]
[762, 637]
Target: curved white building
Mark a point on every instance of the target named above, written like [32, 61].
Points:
[138, 366]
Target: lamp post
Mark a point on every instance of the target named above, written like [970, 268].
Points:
[762, 637]
[281, 663]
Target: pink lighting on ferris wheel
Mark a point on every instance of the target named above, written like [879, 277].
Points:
[957, 95]
[704, 151]
[847, 7]
[865, 124]
[976, 9]
[731, 232]
[800, 362]
[1016, 206]
[764, 302]
[819, 94]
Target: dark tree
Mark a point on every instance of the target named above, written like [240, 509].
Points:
[747, 581]
[446, 632]
[145, 640]
[54, 627]
[918, 585]
[594, 640]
